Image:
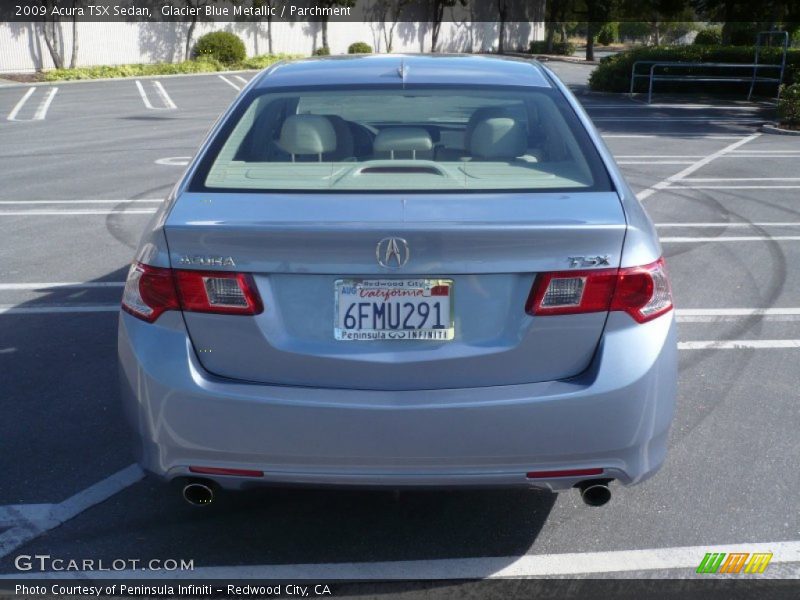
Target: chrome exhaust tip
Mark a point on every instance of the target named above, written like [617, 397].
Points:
[198, 493]
[595, 492]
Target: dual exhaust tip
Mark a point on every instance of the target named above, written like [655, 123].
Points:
[594, 492]
[199, 493]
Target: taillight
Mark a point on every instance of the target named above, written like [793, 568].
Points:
[218, 292]
[642, 292]
[149, 291]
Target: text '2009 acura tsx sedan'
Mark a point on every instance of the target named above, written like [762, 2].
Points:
[400, 271]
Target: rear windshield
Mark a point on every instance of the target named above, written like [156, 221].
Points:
[430, 139]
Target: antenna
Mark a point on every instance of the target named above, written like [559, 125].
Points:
[402, 70]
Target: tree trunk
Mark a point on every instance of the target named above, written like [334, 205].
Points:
[73, 62]
[563, 32]
[589, 41]
[550, 38]
[324, 32]
[50, 41]
[269, 34]
[657, 33]
[502, 33]
[188, 50]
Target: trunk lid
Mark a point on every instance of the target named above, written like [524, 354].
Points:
[297, 246]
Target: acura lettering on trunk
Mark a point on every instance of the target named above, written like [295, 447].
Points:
[400, 271]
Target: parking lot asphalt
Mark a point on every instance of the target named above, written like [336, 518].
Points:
[84, 168]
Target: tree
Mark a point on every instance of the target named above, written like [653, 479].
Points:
[53, 35]
[437, 11]
[388, 12]
[324, 18]
[556, 15]
[502, 9]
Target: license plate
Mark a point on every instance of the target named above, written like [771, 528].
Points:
[394, 309]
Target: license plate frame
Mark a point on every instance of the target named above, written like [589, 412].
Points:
[434, 334]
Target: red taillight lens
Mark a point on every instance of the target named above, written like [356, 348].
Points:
[149, 291]
[218, 292]
[642, 292]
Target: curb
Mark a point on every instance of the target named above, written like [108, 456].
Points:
[7, 83]
[775, 130]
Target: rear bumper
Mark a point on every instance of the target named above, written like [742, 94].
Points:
[615, 416]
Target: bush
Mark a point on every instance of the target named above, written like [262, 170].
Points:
[613, 73]
[560, 48]
[143, 70]
[608, 34]
[359, 48]
[789, 106]
[322, 51]
[224, 46]
[711, 36]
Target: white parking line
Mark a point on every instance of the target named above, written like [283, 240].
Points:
[161, 92]
[665, 183]
[681, 106]
[687, 134]
[704, 120]
[723, 238]
[736, 224]
[41, 110]
[654, 162]
[704, 186]
[715, 315]
[28, 524]
[728, 179]
[242, 79]
[48, 213]
[486, 567]
[230, 83]
[144, 200]
[60, 284]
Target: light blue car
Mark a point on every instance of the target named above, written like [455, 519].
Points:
[398, 271]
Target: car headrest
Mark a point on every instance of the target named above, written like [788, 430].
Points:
[307, 134]
[403, 139]
[498, 137]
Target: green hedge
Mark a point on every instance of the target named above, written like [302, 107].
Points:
[359, 48]
[710, 36]
[560, 48]
[613, 73]
[322, 51]
[789, 106]
[143, 70]
[224, 46]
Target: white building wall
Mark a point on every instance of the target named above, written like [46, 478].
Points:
[23, 49]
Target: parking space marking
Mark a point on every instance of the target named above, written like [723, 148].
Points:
[41, 110]
[49, 213]
[685, 134]
[230, 83]
[654, 162]
[679, 106]
[143, 200]
[731, 238]
[705, 186]
[736, 224]
[704, 120]
[665, 183]
[60, 284]
[242, 79]
[30, 524]
[485, 567]
[174, 161]
[160, 92]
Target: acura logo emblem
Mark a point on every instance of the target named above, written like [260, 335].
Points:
[392, 252]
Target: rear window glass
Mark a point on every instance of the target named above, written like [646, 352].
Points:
[432, 139]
